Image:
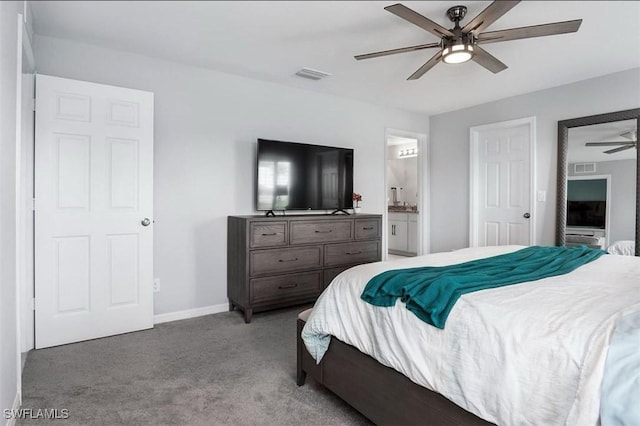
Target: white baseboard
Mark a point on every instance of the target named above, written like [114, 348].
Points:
[15, 408]
[190, 313]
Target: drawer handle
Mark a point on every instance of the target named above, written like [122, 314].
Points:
[354, 252]
[367, 228]
[288, 260]
[284, 287]
[324, 232]
[269, 235]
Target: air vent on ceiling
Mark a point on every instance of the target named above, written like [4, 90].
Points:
[312, 74]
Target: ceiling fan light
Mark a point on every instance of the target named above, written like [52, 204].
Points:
[457, 54]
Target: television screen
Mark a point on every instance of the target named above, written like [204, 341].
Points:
[586, 213]
[296, 176]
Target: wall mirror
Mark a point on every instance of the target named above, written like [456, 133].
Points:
[598, 202]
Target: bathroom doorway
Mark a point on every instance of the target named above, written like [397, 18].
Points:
[404, 191]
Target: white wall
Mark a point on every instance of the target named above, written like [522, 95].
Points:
[206, 126]
[449, 145]
[9, 365]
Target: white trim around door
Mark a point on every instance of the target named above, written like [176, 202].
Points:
[24, 188]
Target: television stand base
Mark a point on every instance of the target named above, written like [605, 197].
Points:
[336, 211]
[270, 213]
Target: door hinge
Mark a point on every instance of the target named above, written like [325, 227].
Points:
[33, 304]
[33, 104]
[33, 204]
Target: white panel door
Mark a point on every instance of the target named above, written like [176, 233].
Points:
[93, 191]
[501, 185]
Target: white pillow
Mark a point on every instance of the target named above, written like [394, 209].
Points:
[583, 239]
[624, 248]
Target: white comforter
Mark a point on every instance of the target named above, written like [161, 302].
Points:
[531, 353]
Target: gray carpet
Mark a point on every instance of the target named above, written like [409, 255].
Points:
[211, 370]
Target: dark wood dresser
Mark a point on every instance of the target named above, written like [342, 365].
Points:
[273, 262]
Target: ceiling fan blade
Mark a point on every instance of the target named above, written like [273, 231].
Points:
[529, 32]
[622, 148]
[631, 134]
[487, 60]
[394, 51]
[419, 20]
[488, 16]
[426, 67]
[608, 143]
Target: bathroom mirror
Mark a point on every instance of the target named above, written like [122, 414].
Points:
[599, 181]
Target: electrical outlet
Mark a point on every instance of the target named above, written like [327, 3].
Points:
[156, 285]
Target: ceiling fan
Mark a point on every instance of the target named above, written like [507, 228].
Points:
[458, 44]
[632, 135]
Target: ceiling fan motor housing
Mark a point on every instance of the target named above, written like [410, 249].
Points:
[457, 13]
[459, 47]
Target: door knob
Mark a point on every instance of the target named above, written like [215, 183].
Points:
[146, 221]
[526, 215]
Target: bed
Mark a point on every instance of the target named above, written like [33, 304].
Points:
[623, 248]
[532, 353]
[590, 241]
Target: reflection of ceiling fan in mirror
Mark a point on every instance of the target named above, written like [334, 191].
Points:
[632, 142]
[460, 44]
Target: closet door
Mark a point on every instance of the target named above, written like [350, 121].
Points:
[93, 211]
[502, 165]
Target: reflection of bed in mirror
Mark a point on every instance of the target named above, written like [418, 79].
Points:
[587, 240]
[623, 248]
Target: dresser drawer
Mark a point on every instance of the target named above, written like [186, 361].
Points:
[282, 287]
[367, 229]
[346, 253]
[267, 234]
[263, 262]
[321, 231]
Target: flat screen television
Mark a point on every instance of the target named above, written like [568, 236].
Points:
[297, 176]
[590, 214]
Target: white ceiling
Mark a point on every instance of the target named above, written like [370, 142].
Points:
[271, 41]
[604, 132]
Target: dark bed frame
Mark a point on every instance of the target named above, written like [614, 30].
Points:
[380, 393]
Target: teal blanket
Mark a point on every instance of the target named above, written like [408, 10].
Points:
[431, 291]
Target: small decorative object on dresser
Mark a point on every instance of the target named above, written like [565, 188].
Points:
[356, 205]
[357, 198]
[273, 262]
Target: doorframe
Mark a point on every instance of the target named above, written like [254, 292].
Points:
[424, 246]
[23, 47]
[24, 196]
[474, 170]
